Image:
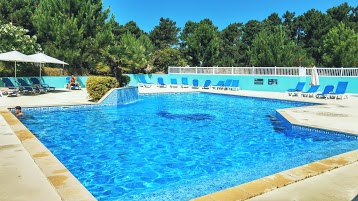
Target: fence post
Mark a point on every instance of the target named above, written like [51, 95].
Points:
[253, 70]
[232, 70]
[196, 70]
[302, 71]
[275, 71]
[341, 71]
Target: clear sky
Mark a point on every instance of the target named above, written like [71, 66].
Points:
[146, 13]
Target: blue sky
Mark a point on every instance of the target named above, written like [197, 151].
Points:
[146, 13]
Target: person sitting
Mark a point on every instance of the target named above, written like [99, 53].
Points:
[73, 82]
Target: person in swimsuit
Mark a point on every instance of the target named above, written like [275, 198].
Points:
[18, 111]
[73, 82]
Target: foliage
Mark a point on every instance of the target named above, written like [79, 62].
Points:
[73, 30]
[4, 71]
[134, 53]
[165, 34]
[166, 57]
[340, 47]
[98, 86]
[251, 28]
[289, 23]
[203, 44]
[272, 21]
[125, 80]
[18, 12]
[8, 70]
[82, 33]
[346, 14]
[131, 27]
[103, 69]
[311, 26]
[183, 44]
[16, 38]
[232, 49]
[50, 71]
[275, 48]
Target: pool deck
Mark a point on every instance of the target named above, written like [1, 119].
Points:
[28, 171]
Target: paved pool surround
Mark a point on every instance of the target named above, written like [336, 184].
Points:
[25, 161]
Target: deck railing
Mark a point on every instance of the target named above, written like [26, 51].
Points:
[265, 71]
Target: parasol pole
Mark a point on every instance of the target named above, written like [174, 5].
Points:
[15, 74]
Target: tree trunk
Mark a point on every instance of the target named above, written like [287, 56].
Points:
[117, 74]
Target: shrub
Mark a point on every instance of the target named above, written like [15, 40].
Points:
[50, 71]
[98, 86]
[125, 80]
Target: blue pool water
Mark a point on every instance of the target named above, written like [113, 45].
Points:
[178, 146]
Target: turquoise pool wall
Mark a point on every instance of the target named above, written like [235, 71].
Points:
[121, 96]
[246, 82]
[53, 81]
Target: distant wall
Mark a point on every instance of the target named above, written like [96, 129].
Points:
[248, 82]
[53, 81]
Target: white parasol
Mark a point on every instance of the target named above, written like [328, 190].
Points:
[314, 77]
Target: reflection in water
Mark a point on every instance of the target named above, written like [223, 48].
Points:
[191, 117]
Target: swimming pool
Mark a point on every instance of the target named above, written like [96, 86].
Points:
[178, 146]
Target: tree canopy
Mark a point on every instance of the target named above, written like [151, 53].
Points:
[165, 34]
[82, 33]
[340, 47]
[203, 44]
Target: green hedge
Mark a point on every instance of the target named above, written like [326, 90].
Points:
[98, 86]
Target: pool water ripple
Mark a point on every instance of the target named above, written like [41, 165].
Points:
[178, 146]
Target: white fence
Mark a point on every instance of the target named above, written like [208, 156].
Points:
[273, 71]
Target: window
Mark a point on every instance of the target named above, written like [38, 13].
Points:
[272, 82]
[259, 81]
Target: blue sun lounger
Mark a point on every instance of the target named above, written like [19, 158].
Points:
[184, 82]
[195, 84]
[235, 85]
[219, 85]
[10, 89]
[206, 84]
[340, 91]
[227, 84]
[143, 83]
[8, 83]
[173, 83]
[299, 88]
[311, 91]
[35, 81]
[326, 92]
[161, 82]
[29, 88]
